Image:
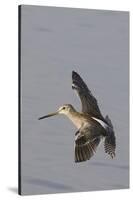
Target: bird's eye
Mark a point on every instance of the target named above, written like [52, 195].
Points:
[63, 108]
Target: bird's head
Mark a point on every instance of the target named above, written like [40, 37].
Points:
[65, 109]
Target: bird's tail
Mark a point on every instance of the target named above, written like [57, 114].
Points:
[110, 140]
[85, 151]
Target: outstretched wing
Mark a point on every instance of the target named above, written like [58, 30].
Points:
[89, 102]
[84, 151]
[86, 143]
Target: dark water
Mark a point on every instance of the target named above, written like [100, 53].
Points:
[56, 41]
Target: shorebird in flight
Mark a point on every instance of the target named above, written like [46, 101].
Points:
[91, 125]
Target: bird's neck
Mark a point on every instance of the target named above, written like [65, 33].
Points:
[76, 118]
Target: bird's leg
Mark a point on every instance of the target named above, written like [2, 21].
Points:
[77, 132]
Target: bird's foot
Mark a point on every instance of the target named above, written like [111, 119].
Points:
[77, 132]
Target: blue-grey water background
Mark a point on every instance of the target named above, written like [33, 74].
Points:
[55, 41]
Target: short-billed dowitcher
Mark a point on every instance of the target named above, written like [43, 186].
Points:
[91, 125]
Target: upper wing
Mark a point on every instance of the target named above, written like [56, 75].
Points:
[86, 143]
[89, 102]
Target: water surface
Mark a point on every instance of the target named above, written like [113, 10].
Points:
[56, 41]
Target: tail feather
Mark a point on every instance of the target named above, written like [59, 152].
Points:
[109, 121]
[110, 146]
[110, 140]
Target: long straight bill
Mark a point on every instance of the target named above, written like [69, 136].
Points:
[49, 115]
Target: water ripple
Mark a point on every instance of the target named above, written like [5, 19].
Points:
[50, 184]
[101, 164]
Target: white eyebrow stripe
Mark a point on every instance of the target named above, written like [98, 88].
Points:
[103, 124]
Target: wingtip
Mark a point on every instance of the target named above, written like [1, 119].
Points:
[74, 74]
